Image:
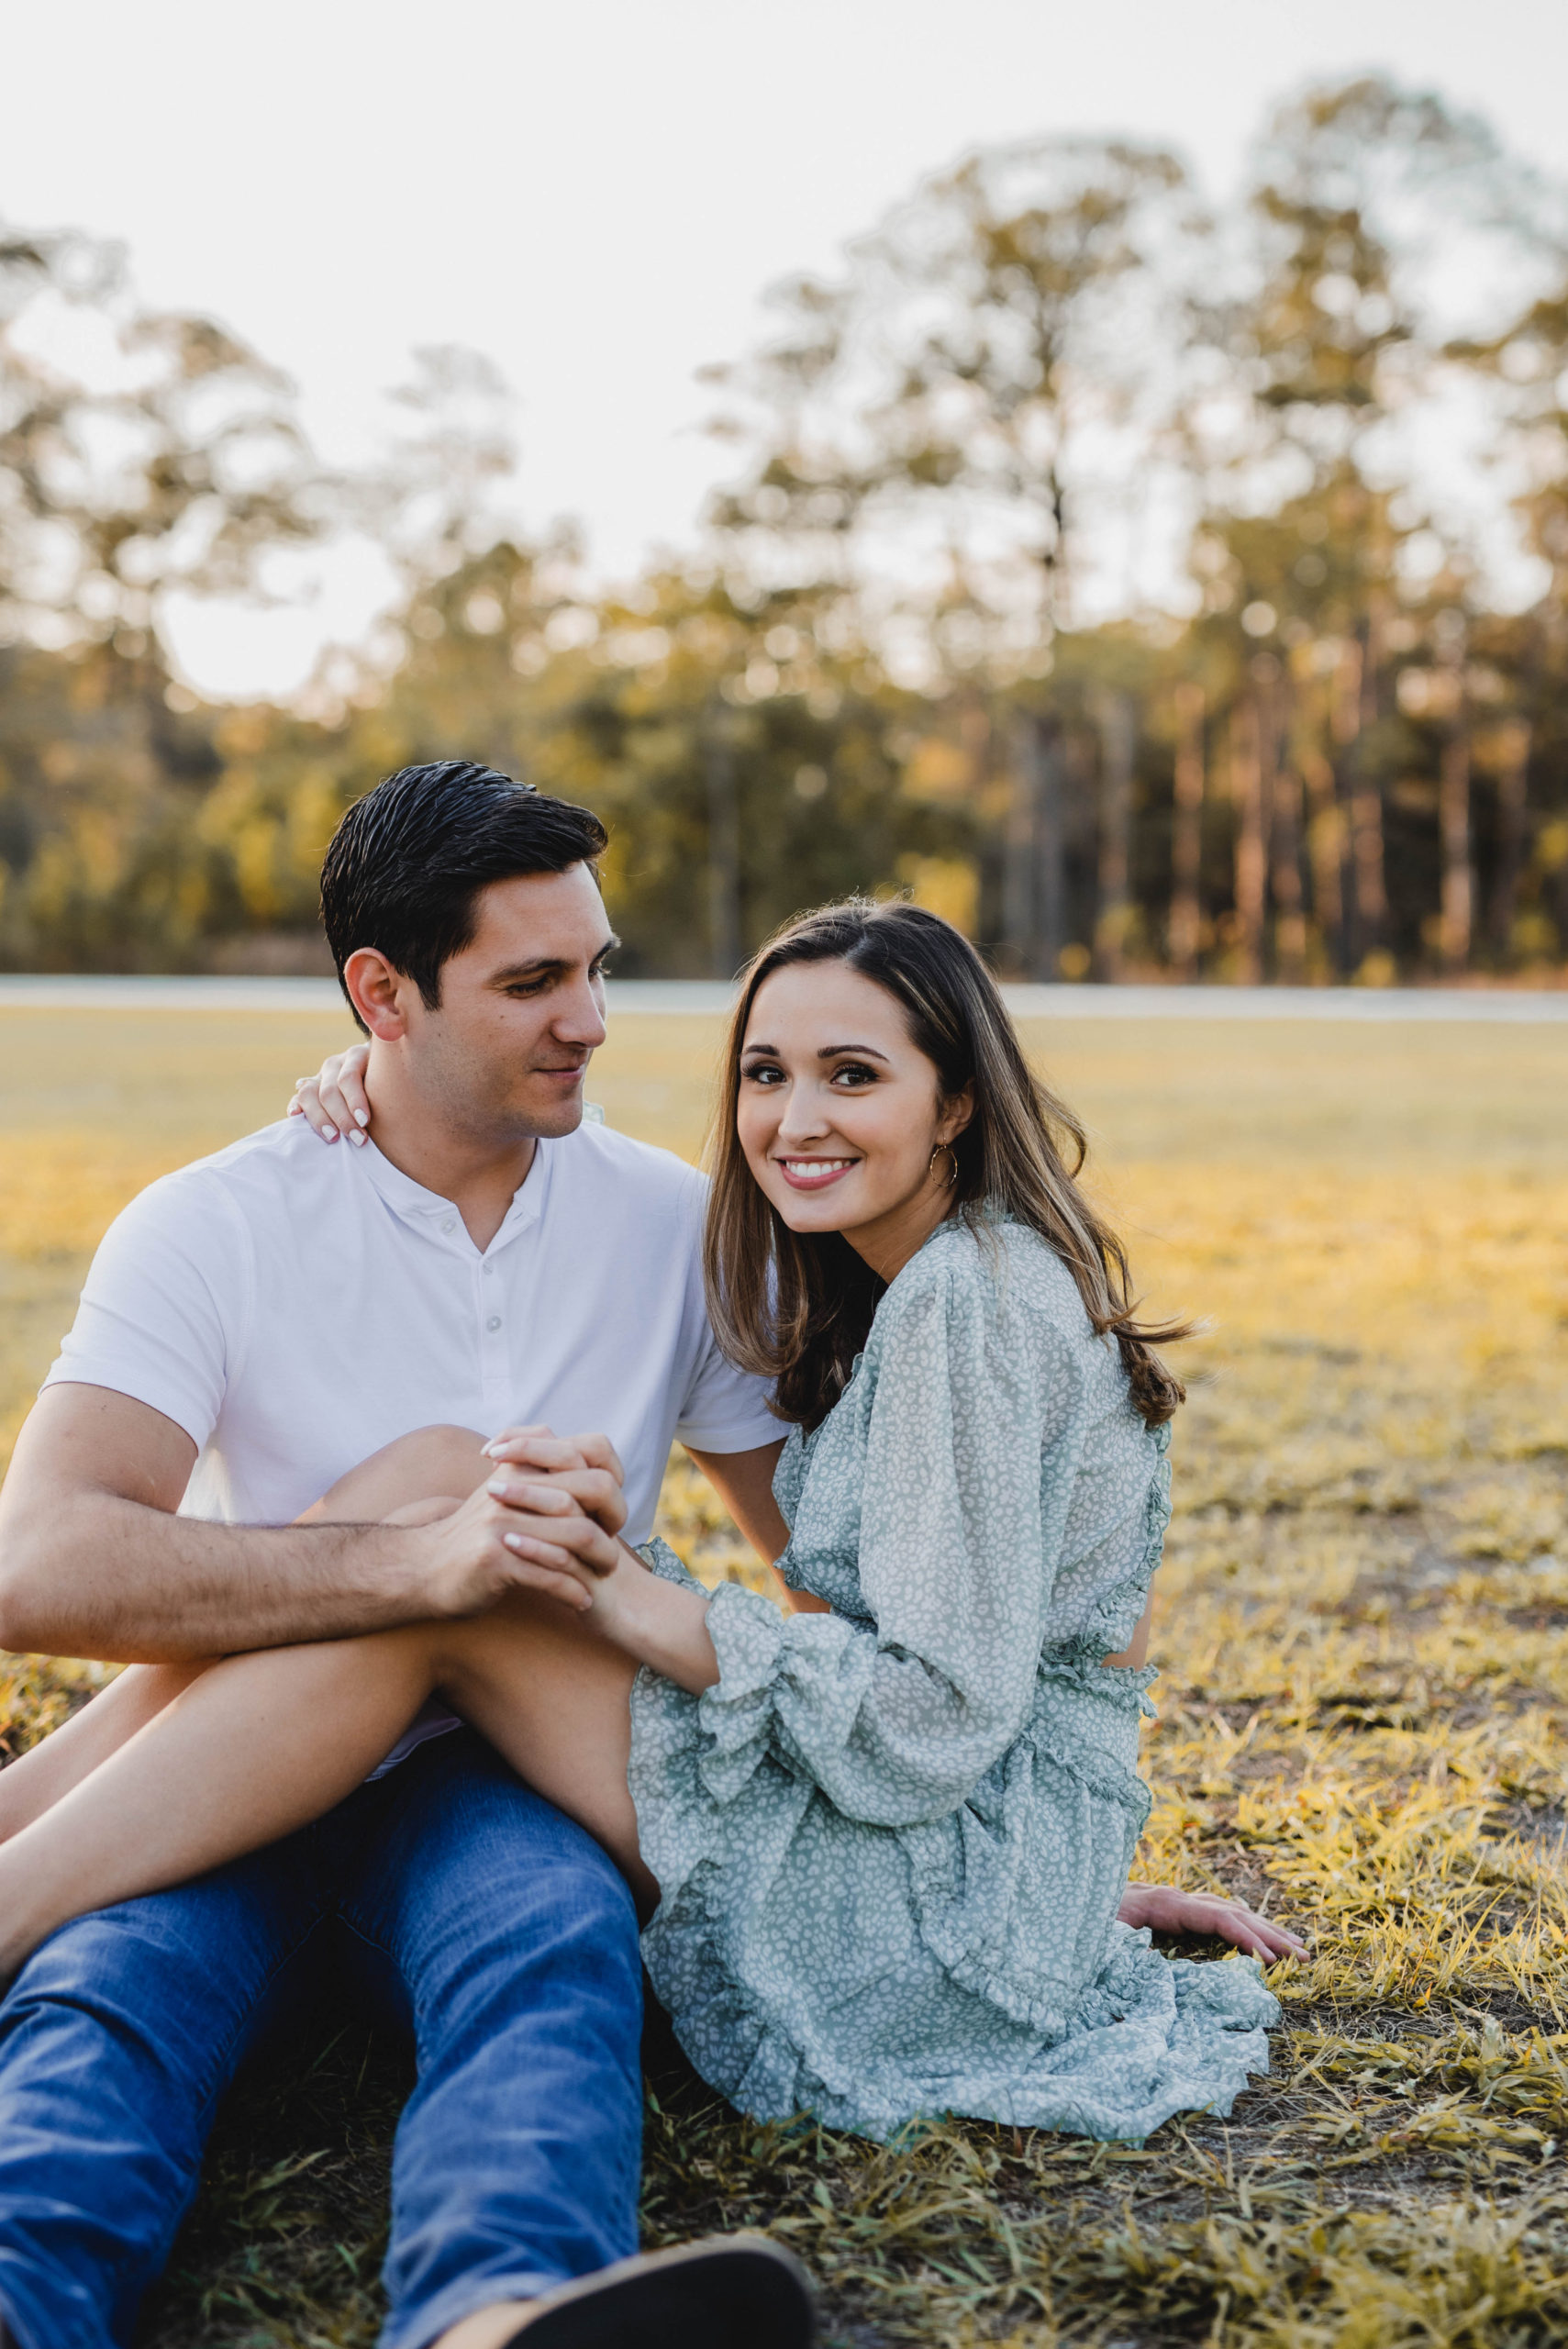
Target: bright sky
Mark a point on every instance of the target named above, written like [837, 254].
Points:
[597, 193]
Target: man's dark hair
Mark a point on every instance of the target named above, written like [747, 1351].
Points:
[408, 860]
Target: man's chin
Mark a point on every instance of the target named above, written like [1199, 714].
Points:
[551, 1119]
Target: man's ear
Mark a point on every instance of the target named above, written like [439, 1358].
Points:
[377, 992]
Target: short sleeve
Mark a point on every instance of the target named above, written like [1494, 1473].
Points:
[165, 1305]
[724, 1409]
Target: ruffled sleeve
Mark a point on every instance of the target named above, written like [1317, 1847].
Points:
[976, 1426]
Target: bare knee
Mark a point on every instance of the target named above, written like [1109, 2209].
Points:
[441, 1459]
[436, 1461]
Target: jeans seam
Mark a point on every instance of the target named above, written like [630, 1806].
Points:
[384, 1948]
[216, 2067]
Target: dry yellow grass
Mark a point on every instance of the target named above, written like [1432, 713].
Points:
[1364, 1633]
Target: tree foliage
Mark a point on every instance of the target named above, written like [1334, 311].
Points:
[1086, 568]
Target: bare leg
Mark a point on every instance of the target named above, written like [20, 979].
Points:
[445, 1463]
[259, 1744]
[57, 1762]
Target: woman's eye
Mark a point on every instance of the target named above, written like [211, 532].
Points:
[763, 1073]
[855, 1072]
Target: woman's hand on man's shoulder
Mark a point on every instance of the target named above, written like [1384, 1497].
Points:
[334, 1101]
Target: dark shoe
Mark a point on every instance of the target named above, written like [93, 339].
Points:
[726, 2292]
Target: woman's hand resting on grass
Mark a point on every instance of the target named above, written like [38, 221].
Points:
[334, 1100]
[1170, 1911]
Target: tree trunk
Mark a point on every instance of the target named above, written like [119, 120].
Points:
[1364, 802]
[1326, 855]
[1049, 873]
[1186, 836]
[1019, 854]
[725, 954]
[1457, 916]
[1033, 890]
[1290, 918]
[1118, 741]
[1512, 789]
[1251, 836]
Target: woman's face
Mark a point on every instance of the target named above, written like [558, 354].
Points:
[839, 1113]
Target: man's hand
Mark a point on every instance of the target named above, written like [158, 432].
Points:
[1170, 1911]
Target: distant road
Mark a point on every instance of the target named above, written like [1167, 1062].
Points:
[1507, 1006]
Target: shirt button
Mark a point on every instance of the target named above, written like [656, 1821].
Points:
[493, 1322]
[451, 1223]
[488, 1270]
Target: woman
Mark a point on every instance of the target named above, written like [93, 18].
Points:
[882, 1841]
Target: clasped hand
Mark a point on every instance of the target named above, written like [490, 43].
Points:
[546, 1520]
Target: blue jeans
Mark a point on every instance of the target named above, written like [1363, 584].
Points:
[510, 1943]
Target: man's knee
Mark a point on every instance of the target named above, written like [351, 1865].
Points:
[572, 1909]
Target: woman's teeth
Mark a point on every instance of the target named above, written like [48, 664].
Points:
[805, 1170]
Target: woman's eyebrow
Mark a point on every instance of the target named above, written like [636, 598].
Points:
[827, 1053]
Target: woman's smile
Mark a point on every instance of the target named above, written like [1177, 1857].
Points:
[813, 1173]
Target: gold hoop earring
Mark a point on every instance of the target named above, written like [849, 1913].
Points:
[944, 1149]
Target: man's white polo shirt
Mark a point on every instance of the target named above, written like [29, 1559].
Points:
[294, 1306]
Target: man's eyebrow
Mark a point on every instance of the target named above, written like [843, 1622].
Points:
[546, 964]
[528, 970]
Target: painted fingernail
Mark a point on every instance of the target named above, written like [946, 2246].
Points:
[330, 1134]
[358, 1140]
[362, 1116]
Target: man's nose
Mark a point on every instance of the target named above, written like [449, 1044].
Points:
[581, 1019]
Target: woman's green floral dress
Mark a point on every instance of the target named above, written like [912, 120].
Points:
[892, 1840]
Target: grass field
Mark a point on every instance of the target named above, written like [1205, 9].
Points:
[1364, 1635]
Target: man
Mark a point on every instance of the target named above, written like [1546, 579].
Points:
[252, 1327]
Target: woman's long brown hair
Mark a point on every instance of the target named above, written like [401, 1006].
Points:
[797, 1308]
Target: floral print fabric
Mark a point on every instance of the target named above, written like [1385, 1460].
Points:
[891, 1841]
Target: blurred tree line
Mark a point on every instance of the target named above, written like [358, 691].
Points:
[1152, 592]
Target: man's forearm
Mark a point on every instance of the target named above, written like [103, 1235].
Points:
[110, 1579]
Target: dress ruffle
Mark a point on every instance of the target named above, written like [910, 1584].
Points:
[991, 2024]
